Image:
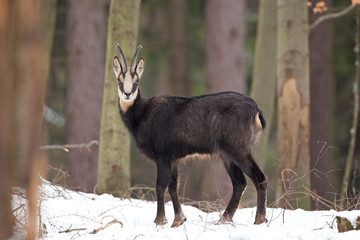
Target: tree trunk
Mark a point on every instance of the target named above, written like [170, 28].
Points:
[114, 151]
[321, 78]
[225, 71]
[7, 116]
[344, 197]
[180, 63]
[21, 100]
[293, 103]
[86, 21]
[264, 75]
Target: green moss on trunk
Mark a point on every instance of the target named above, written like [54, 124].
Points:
[114, 149]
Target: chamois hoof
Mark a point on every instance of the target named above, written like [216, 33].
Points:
[259, 219]
[179, 220]
[160, 221]
[224, 219]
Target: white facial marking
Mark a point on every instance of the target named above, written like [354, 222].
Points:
[128, 85]
[127, 100]
[127, 97]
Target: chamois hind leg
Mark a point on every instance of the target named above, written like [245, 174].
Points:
[173, 187]
[250, 168]
[239, 183]
[162, 182]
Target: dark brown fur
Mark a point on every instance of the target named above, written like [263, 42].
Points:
[170, 128]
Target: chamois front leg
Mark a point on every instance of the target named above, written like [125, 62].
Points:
[173, 186]
[162, 182]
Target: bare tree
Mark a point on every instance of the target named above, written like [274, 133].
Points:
[114, 149]
[21, 98]
[180, 70]
[263, 87]
[321, 79]
[86, 45]
[293, 95]
[225, 71]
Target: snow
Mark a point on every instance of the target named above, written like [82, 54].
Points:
[67, 214]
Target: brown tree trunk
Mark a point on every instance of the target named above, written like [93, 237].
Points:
[7, 117]
[321, 78]
[86, 47]
[180, 70]
[293, 96]
[225, 71]
[21, 99]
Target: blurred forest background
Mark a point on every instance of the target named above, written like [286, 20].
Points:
[193, 48]
[176, 36]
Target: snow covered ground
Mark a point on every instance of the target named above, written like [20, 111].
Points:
[72, 215]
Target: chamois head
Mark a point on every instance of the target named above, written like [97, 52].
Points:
[128, 77]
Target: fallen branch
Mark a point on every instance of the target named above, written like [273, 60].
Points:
[66, 147]
[330, 16]
[106, 226]
[73, 230]
[329, 204]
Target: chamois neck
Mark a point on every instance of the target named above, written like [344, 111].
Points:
[134, 114]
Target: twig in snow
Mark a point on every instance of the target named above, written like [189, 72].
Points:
[107, 225]
[72, 230]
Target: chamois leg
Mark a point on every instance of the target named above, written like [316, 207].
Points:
[173, 187]
[250, 167]
[239, 183]
[162, 182]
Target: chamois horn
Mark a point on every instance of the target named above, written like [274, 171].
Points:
[133, 62]
[122, 59]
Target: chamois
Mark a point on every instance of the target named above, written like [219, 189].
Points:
[168, 129]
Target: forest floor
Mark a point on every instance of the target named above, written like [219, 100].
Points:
[68, 214]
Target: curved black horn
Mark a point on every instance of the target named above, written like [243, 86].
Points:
[122, 58]
[133, 62]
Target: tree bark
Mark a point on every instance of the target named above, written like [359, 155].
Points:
[114, 150]
[86, 44]
[7, 117]
[264, 75]
[354, 127]
[321, 79]
[180, 62]
[293, 96]
[225, 71]
[21, 100]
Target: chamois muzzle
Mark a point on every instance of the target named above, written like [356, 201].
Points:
[133, 62]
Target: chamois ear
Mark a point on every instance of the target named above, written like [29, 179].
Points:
[140, 67]
[117, 66]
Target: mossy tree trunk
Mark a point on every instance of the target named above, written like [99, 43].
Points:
[293, 103]
[264, 80]
[114, 149]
